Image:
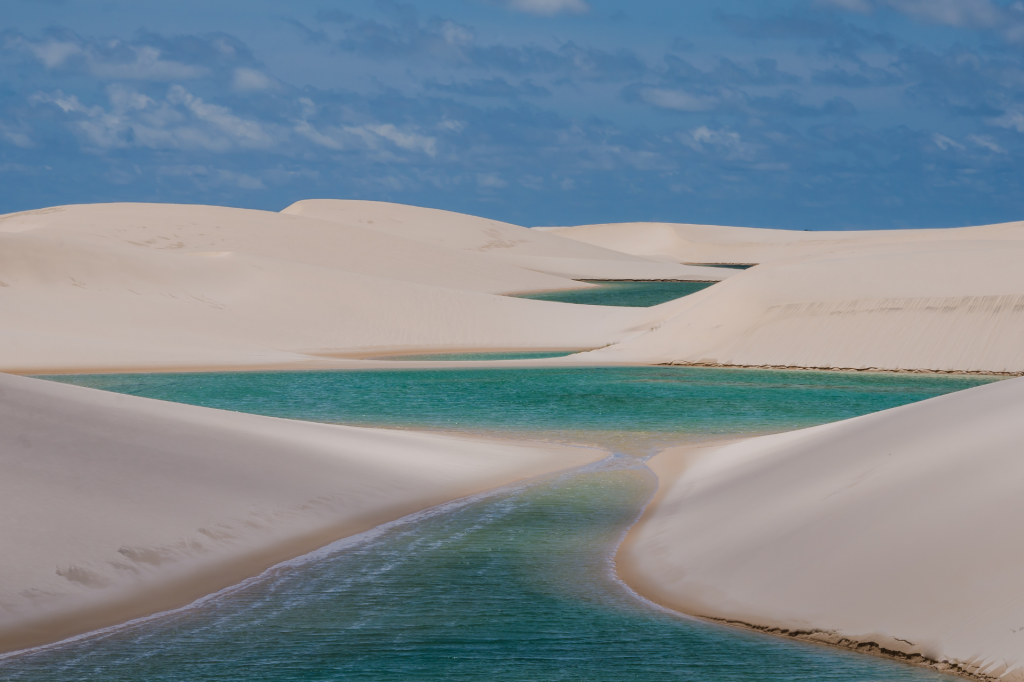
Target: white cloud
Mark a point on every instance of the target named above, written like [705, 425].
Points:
[1006, 20]
[249, 80]
[549, 7]
[147, 62]
[858, 6]
[242, 131]
[247, 181]
[455, 34]
[986, 142]
[16, 137]
[703, 139]
[52, 53]
[212, 177]
[944, 143]
[367, 135]
[490, 181]
[1011, 119]
[452, 125]
[180, 121]
[963, 13]
[678, 99]
[406, 140]
[147, 65]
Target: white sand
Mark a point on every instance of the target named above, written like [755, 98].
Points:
[900, 528]
[951, 305]
[919, 300]
[125, 287]
[520, 246]
[176, 228]
[684, 243]
[117, 506]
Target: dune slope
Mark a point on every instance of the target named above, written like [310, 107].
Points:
[118, 506]
[175, 228]
[940, 306]
[72, 305]
[684, 243]
[896, 531]
[533, 249]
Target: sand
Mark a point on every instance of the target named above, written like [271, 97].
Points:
[189, 229]
[513, 244]
[684, 243]
[118, 506]
[76, 301]
[130, 287]
[895, 532]
[941, 306]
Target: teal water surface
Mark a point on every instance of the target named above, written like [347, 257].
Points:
[513, 585]
[663, 403]
[629, 294]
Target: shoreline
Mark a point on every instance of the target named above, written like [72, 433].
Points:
[624, 568]
[851, 370]
[668, 465]
[184, 593]
[184, 501]
[357, 362]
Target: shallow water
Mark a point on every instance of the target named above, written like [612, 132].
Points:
[631, 409]
[629, 294]
[513, 585]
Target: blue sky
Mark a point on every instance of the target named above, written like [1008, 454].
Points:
[801, 114]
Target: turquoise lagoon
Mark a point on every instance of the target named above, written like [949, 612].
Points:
[512, 585]
[630, 294]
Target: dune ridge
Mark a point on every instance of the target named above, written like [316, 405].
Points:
[188, 229]
[520, 246]
[687, 243]
[120, 506]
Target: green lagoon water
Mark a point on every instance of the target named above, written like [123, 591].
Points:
[636, 407]
[516, 584]
[630, 294]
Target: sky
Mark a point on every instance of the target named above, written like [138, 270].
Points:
[795, 114]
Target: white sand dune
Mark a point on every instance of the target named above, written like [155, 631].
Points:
[951, 305]
[899, 529]
[684, 243]
[117, 506]
[176, 228]
[532, 249]
[93, 288]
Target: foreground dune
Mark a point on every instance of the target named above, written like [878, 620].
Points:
[948, 306]
[118, 506]
[896, 531]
